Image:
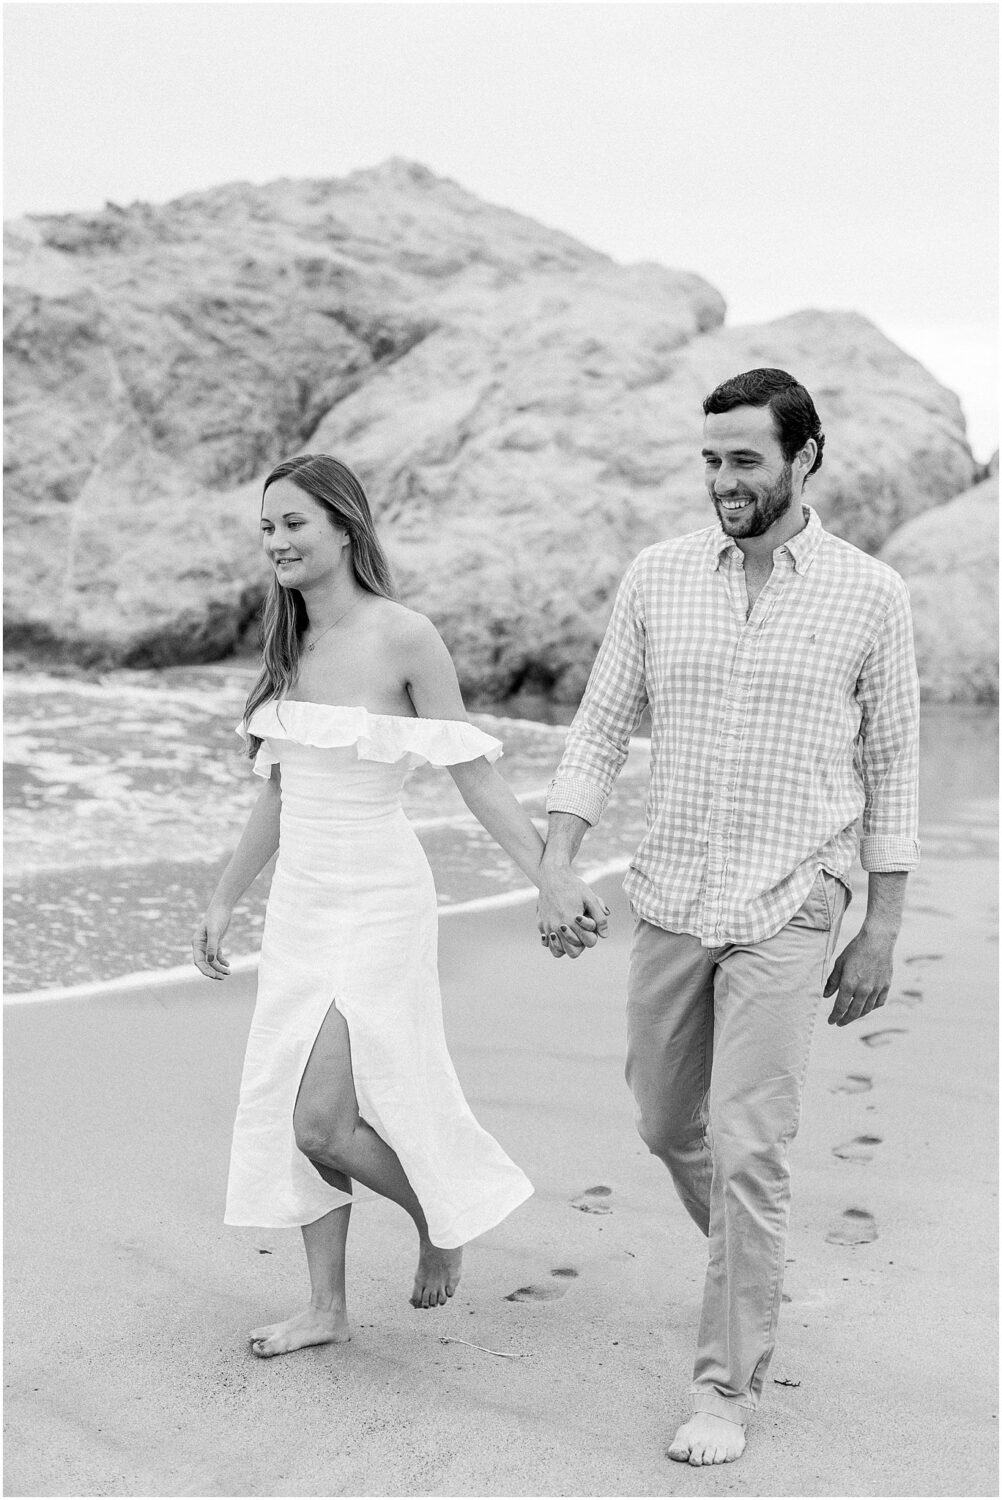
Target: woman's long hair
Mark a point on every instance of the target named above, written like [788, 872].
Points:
[284, 617]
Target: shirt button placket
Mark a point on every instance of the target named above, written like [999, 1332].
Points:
[721, 821]
[716, 821]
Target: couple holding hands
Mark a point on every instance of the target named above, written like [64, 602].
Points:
[776, 662]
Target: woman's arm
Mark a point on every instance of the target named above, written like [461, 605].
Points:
[258, 843]
[434, 690]
[493, 803]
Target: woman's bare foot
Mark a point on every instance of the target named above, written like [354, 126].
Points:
[437, 1275]
[706, 1439]
[310, 1327]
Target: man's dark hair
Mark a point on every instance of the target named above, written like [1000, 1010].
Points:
[793, 412]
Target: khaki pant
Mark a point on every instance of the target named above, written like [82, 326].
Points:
[717, 1052]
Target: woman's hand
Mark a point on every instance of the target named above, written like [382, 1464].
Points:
[569, 915]
[206, 943]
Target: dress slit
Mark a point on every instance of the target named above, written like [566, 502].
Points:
[319, 1169]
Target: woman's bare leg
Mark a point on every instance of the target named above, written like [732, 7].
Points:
[325, 1321]
[332, 1134]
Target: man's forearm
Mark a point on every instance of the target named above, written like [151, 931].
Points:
[563, 839]
[885, 901]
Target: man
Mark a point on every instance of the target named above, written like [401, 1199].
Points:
[778, 665]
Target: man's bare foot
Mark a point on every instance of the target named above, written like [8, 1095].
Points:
[298, 1332]
[437, 1275]
[706, 1439]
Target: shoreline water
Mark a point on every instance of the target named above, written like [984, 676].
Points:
[125, 795]
[246, 963]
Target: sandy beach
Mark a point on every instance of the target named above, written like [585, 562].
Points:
[128, 1301]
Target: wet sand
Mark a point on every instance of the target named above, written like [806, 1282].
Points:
[128, 1301]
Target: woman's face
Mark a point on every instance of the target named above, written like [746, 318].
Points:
[304, 545]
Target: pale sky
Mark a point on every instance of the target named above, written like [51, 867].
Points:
[796, 155]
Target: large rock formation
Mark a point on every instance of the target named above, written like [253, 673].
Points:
[525, 414]
[949, 559]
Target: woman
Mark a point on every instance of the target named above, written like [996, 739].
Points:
[347, 1076]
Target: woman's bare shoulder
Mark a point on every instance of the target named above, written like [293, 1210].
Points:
[404, 626]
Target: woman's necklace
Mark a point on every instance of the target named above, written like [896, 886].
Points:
[312, 646]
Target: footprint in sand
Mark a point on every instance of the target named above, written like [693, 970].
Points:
[544, 1292]
[857, 1149]
[855, 1227]
[882, 1038]
[592, 1201]
[854, 1083]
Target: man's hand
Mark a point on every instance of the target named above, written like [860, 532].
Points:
[569, 915]
[861, 975]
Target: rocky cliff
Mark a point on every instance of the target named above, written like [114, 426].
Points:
[948, 556]
[524, 412]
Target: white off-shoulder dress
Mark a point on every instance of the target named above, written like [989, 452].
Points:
[352, 921]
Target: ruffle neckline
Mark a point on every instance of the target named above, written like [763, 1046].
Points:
[387, 738]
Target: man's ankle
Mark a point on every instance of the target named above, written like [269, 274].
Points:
[709, 1404]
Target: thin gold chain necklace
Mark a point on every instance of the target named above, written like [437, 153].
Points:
[312, 646]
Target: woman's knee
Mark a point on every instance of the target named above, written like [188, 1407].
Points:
[323, 1134]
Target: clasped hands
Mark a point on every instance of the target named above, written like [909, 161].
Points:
[569, 915]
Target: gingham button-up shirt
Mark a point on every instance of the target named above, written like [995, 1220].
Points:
[777, 736]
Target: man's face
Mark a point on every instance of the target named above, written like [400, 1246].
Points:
[747, 477]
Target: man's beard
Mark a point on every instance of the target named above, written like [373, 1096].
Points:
[768, 508]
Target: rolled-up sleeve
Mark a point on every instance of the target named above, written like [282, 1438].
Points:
[888, 694]
[598, 740]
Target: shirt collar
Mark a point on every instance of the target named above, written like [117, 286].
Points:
[802, 548]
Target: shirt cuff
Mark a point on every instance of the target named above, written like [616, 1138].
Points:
[572, 794]
[883, 854]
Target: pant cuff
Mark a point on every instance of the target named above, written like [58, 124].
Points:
[722, 1406]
